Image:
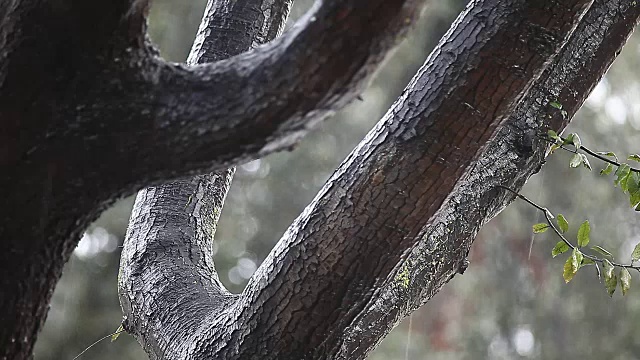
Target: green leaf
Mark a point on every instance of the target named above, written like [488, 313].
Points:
[622, 174]
[625, 281]
[634, 157]
[635, 255]
[563, 224]
[552, 134]
[554, 147]
[576, 257]
[576, 161]
[560, 248]
[610, 278]
[623, 169]
[583, 234]
[540, 228]
[556, 105]
[624, 183]
[633, 185]
[602, 251]
[575, 139]
[607, 170]
[633, 182]
[568, 140]
[634, 198]
[586, 261]
[572, 265]
[117, 333]
[568, 271]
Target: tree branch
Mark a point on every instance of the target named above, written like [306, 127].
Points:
[189, 209]
[168, 257]
[231, 27]
[510, 158]
[548, 217]
[596, 155]
[325, 271]
[81, 95]
[193, 119]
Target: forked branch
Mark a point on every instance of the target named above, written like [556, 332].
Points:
[323, 274]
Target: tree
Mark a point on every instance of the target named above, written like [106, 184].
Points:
[389, 229]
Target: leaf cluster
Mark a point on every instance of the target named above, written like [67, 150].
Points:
[627, 178]
[579, 259]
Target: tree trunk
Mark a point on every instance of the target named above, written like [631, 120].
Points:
[82, 92]
[312, 295]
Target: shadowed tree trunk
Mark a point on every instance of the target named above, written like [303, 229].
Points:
[79, 82]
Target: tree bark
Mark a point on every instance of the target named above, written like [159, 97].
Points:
[83, 92]
[190, 227]
[396, 220]
[516, 151]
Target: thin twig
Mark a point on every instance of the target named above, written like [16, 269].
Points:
[549, 216]
[97, 341]
[589, 152]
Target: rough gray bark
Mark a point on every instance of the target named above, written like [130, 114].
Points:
[411, 196]
[190, 227]
[516, 152]
[82, 94]
[76, 87]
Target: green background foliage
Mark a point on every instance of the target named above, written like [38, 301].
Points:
[512, 302]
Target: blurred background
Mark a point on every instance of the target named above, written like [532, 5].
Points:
[512, 303]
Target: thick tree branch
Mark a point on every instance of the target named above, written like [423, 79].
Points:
[188, 209]
[231, 27]
[381, 198]
[80, 95]
[186, 119]
[515, 153]
[167, 279]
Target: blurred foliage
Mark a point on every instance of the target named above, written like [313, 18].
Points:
[512, 303]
